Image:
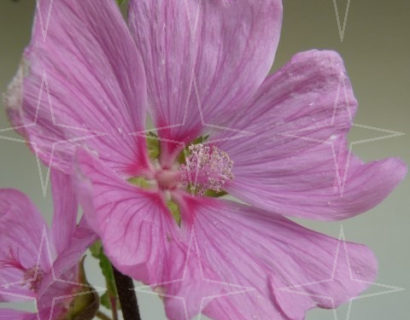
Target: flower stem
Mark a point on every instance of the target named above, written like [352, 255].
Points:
[114, 310]
[127, 296]
[102, 316]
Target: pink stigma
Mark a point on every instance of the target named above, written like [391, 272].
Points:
[207, 168]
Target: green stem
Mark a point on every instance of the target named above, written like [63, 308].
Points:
[102, 316]
[113, 301]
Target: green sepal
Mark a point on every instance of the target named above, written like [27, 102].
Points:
[200, 139]
[105, 265]
[153, 146]
[215, 194]
[105, 300]
[86, 302]
[175, 211]
[182, 156]
[96, 249]
[185, 152]
[120, 2]
[140, 182]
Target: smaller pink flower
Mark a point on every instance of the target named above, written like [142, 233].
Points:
[37, 262]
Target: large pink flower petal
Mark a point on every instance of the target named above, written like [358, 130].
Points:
[10, 314]
[247, 264]
[203, 58]
[296, 161]
[138, 233]
[256, 264]
[21, 247]
[65, 210]
[81, 82]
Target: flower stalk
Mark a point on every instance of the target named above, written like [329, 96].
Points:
[114, 309]
[102, 316]
[127, 296]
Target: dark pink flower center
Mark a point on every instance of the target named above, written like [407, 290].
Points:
[167, 179]
[203, 168]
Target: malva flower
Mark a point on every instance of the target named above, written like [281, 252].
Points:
[41, 263]
[223, 125]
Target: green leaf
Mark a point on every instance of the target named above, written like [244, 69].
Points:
[85, 302]
[96, 249]
[105, 300]
[120, 2]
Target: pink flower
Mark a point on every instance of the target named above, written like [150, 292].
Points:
[276, 142]
[36, 262]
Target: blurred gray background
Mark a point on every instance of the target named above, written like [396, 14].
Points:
[376, 49]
